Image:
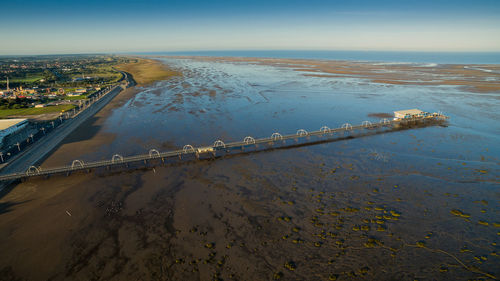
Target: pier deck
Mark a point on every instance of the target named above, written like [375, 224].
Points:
[220, 149]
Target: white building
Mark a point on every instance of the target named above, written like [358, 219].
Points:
[409, 113]
[10, 126]
[81, 91]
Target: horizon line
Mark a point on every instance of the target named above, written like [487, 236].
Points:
[247, 50]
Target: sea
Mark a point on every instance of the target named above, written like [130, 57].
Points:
[362, 56]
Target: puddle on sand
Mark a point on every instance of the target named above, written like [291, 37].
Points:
[415, 204]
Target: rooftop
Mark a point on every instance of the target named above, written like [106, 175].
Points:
[6, 123]
[408, 111]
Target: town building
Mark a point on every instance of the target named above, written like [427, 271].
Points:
[408, 113]
[6, 91]
[81, 91]
[11, 126]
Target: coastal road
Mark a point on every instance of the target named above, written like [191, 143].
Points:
[40, 149]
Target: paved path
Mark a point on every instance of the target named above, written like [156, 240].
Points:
[41, 149]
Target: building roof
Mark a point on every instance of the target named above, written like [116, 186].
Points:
[408, 111]
[6, 123]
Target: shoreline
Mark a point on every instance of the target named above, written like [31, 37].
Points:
[41, 149]
[482, 79]
[89, 134]
[379, 56]
[147, 71]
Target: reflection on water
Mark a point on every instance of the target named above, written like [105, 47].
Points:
[230, 101]
[358, 208]
[415, 204]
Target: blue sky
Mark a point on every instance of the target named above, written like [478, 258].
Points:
[42, 27]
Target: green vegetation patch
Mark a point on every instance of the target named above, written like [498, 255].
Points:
[35, 111]
[81, 97]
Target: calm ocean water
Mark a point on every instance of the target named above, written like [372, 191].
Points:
[375, 56]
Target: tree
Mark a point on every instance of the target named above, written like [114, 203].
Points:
[49, 76]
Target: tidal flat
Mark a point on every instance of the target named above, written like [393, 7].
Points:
[420, 204]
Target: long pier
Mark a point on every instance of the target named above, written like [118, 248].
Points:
[219, 148]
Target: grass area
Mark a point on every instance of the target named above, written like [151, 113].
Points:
[28, 79]
[82, 97]
[69, 90]
[103, 72]
[35, 111]
[146, 71]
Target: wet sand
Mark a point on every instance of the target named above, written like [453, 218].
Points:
[88, 135]
[340, 211]
[476, 78]
[147, 71]
[86, 138]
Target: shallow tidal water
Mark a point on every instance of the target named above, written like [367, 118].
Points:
[414, 204]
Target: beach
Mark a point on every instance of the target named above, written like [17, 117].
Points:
[419, 204]
[477, 78]
[147, 71]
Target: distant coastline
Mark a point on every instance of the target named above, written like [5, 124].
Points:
[147, 71]
[363, 56]
[481, 78]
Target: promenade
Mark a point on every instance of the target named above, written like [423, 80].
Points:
[39, 150]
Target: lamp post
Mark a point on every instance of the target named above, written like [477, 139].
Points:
[18, 146]
[1, 155]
